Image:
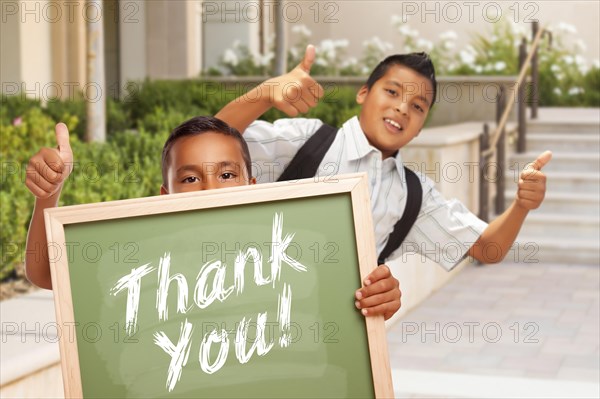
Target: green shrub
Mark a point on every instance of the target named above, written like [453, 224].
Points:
[126, 166]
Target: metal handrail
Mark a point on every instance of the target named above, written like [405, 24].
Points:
[494, 137]
[494, 144]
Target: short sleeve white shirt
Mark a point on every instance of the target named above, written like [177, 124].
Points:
[444, 230]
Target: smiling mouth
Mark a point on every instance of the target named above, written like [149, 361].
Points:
[393, 125]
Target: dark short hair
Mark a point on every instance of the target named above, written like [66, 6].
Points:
[199, 125]
[418, 62]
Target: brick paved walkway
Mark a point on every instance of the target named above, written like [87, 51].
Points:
[508, 330]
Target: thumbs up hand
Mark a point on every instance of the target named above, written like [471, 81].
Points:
[532, 183]
[296, 92]
[50, 167]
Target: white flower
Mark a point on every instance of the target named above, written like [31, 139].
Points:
[406, 31]
[265, 60]
[557, 91]
[341, 43]
[596, 64]
[229, 57]
[467, 57]
[449, 45]
[350, 62]
[448, 35]
[424, 44]
[378, 44]
[559, 76]
[580, 44]
[327, 49]
[517, 30]
[568, 59]
[573, 91]
[301, 30]
[396, 19]
[500, 66]
[478, 69]
[555, 68]
[256, 58]
[579, 60]
[567, 28]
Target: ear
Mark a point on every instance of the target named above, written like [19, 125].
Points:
[253, 180]
[362, 94]
[163, 190]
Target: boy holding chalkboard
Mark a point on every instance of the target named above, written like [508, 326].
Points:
[202, 153]
[395, 102]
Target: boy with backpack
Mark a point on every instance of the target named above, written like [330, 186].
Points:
[408, 212]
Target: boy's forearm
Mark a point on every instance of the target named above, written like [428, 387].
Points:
[247, 108]
[37, 264]
[498, 238]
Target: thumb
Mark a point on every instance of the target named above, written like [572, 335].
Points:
[309, 58]
[541, 161]
[62, 139]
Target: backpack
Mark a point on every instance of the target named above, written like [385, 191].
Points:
[306, 163]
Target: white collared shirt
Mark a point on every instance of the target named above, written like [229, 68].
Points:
[444, 230]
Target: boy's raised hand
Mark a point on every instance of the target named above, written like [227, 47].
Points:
[380, 294]
[50, 167]
[295, 92]
[532, 183]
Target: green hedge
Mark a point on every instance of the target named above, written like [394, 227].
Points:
[128, 164]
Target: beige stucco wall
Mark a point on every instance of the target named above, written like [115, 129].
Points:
[358, 21]
[173, 39]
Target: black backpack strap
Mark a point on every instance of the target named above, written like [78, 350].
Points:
[414, 198]
[306, 163]
[308, 158]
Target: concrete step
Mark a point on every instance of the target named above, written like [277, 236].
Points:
[563, 142]
[560, 225]
[534, 249]
[573, 182]
[590, 128]
[572, 120]
[561, 161]
[567, 203]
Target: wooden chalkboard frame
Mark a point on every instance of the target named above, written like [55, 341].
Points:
[354, 184]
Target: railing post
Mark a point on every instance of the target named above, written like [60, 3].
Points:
[535, 74]
[521, 100]
[484, 191]
[500, 153]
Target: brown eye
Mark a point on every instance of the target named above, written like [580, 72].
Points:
[228, 176]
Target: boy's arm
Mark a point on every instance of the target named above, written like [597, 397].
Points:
[499, 236]
[46, 172]
[293, 93]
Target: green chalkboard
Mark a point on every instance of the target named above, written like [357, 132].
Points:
[243, 300]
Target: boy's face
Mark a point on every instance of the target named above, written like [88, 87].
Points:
[395, 108]
[205, 162]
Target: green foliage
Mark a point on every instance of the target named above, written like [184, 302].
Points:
[126, 166]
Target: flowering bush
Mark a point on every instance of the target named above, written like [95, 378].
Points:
[565, 77]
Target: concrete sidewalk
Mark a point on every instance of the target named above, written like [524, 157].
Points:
[507, 330]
